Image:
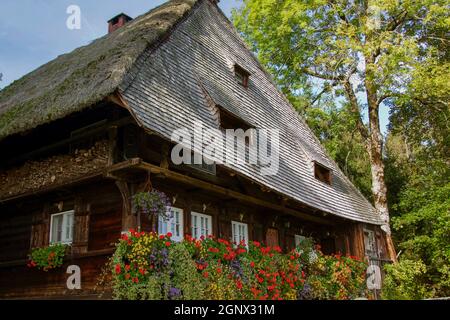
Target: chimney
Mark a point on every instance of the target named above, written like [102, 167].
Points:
[118, 21]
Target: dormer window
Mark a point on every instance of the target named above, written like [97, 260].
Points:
[242, 75]
[322, 173]
[231, 121]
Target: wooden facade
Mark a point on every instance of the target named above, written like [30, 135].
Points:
[87, 131]
[136, 161]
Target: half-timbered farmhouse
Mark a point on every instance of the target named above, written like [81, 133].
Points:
[83, 133]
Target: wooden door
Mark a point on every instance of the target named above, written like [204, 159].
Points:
[272, 237]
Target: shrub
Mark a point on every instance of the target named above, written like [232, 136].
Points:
[403, 281]
[335, 277]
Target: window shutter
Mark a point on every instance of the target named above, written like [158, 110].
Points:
[81, 226]
[40, 228]
[272, 237]
[225, 229]
[258, 232]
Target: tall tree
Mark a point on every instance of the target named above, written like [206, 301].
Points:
[362, 51]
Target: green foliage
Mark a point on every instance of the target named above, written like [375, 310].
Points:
[48, 258]
[424, 233]
[335, 277]
[404, 281]
[336, 129]
[297, 40]
[423, 113]
[419, 193]
[335, 60]
[148, 266]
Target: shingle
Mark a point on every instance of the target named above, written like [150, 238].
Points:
[200, 50]
[164, 83]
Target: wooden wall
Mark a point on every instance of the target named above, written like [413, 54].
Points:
[98, 214]
[99, 219]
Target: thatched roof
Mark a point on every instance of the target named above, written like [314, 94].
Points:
[85, 76]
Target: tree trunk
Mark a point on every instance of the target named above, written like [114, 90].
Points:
[379, 189]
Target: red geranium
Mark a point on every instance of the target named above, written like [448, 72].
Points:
[118, 269]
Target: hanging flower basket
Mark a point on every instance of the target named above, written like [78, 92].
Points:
[152, 204]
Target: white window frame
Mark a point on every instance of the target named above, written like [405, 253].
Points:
[65, 239]
[239, 232]
[207, 228]
[370, 246]
[298, 239]
[170, 224]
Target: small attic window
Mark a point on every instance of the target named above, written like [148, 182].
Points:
[242, 75]
[231, 121]
[322, 173]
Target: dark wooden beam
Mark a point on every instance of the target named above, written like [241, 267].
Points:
[227, 192]
[81, 136]
[101, 173]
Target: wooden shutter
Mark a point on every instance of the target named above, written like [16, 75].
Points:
[258, 232]
[81, 226]
[40, 228]
[272, 237]
[225, 229]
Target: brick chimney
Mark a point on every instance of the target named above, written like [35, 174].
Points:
[118, 21]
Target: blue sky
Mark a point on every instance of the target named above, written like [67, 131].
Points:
[33, 32]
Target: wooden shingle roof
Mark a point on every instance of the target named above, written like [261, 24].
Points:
[170, 86]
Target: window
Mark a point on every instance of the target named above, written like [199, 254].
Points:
[230, 121]
[239, 232]
[322, 173]
[173, 223]
[204, 167]
[201, 225]
[61, 227]
[299, 239]
[370, 243]
[242, 75]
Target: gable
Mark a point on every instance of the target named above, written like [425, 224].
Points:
[173, 85]
[85, 76]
